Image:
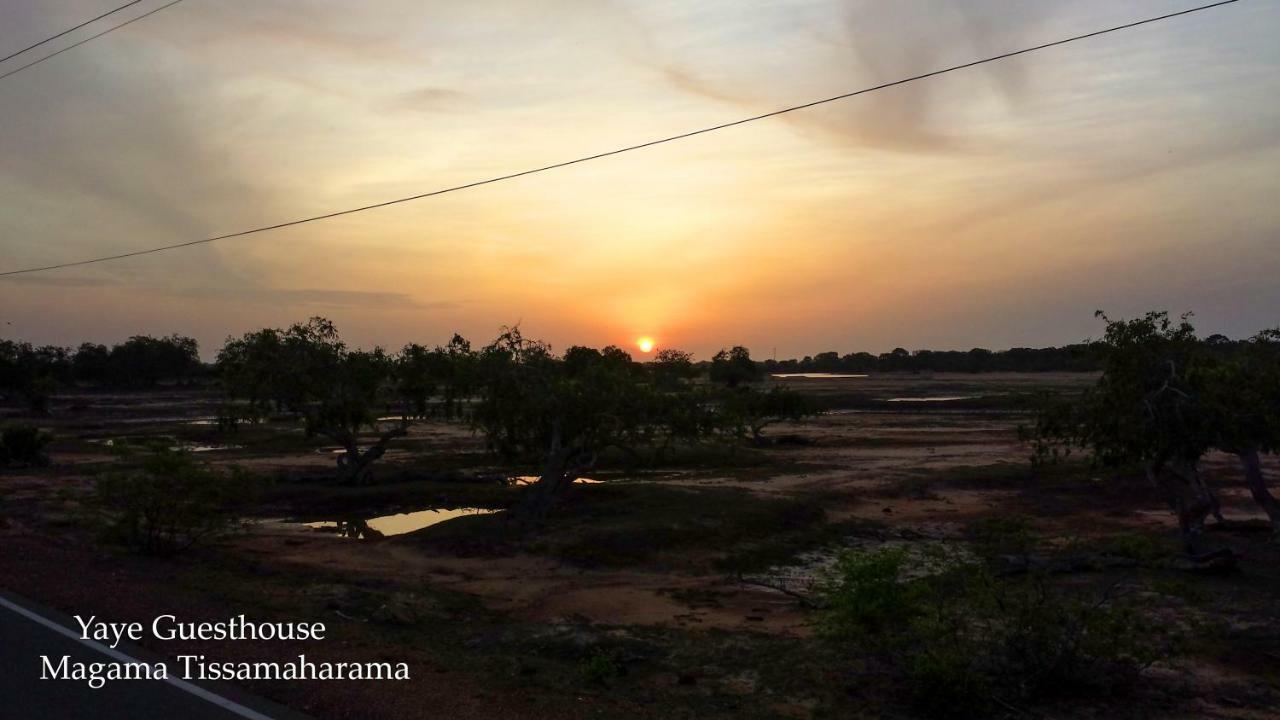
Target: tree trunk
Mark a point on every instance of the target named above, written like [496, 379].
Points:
[356, 466]
[558, 473]
[543, 494]
[1258, 486]
[1188, 496]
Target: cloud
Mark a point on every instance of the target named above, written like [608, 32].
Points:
[429, 99]
[243, 292]
[340, 299]
[884, 42]
[45, 280]
[122, 160]
[690, 82]
[890, 41]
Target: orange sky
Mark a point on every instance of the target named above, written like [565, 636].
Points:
[996, 207]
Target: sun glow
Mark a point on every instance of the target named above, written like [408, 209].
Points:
[645, 344]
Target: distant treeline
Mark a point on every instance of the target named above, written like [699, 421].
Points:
[1080, 357]
[139, 362]
[143, 361]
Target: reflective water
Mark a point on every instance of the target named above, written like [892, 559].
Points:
[398, 524]
[176, 446]
[817, 376]
[531, 479]
[203, 448]
[940, 398]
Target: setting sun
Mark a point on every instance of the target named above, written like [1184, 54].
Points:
[645, 344]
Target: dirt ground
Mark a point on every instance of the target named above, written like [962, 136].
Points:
[663, 591]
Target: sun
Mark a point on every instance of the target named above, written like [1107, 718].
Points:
[645, 344]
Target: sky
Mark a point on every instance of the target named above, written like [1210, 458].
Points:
[994, 207]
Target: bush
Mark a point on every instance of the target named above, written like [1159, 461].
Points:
[170, 503]
[23, 445]
[963, 640]
[603, 666]
[866, 598]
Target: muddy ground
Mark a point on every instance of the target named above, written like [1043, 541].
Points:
[672, 589]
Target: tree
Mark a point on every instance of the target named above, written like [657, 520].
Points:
[447, 371]
[564, 411]
[734, 367]
[1242, 400]
[896, 359]
[1164, 400]
[92, 364]
[144, 361]
[280, 370]
[308, 369]
[827, 361]
[671, 368]
[33, 373]
[749, 411]
[251, 368]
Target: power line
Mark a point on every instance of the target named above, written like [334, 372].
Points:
[111, 29]
[69, 30]
[619, 151]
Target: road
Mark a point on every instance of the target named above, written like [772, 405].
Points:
[28, 632]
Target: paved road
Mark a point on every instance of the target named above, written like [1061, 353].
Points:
[27, 632]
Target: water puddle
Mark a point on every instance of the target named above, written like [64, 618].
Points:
[175, 446]
[938, 398]
[531, 479]
[389, 525]
[203, 448]
[817, 376]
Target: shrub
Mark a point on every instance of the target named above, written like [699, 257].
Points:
[963, 640]
[866, 597]
[23, 445]
[170, 503]
[603, 666]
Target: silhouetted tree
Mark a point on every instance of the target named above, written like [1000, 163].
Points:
[92, 364]
[144, 361]
[32, 373]
[447, 371]
[671, 368]
[734, 367]
[564, 411]
[1165, 399]
[747, 412]
[1242, 399]
[308, 369]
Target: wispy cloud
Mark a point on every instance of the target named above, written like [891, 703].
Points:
[345, 299]
[430, 99]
